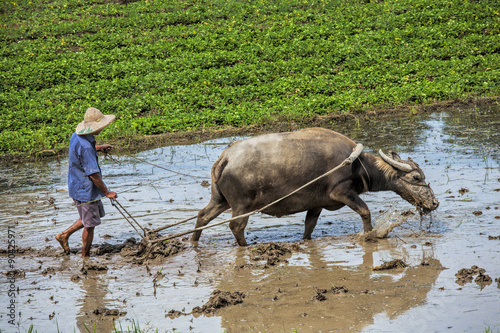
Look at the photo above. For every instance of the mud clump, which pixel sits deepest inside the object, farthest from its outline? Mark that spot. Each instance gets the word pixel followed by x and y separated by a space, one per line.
pixel 92 266
pixel 219 299
pixel 15 273
pixel 396 263
pixel 339 290
pixel 272 253
pixel 106 248
pixel 493 237
pixel 48 270
pixel 483 280
pixel 321 293
pixel 466 275
pixel 138 252
pixel 154 251
pixel 462 191
pixel 174 314
pixel 103 311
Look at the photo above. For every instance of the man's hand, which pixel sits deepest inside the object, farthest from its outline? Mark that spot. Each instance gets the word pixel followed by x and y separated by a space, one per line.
pixel 104 148
pixel 112 195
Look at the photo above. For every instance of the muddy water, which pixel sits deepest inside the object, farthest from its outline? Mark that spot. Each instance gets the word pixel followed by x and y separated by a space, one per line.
pixel 458 150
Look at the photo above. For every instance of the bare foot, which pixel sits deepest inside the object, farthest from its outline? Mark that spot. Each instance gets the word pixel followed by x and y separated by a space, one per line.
pixel 63 241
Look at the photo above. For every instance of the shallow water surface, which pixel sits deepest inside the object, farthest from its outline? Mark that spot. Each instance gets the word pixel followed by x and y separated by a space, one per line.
pixel 458 151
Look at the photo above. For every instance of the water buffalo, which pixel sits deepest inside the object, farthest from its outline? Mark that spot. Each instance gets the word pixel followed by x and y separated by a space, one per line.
pixel 254 172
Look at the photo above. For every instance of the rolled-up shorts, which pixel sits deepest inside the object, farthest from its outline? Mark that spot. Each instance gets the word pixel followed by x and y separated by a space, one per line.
pixel 90 213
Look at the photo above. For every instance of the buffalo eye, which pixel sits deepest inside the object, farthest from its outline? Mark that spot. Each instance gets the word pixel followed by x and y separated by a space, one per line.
pixel 416 177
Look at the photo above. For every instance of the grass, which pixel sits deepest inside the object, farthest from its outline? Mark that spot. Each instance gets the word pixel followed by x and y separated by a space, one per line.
pixel 178 66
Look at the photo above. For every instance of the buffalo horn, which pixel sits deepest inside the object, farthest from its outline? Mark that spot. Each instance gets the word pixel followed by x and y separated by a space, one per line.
pixel 398 165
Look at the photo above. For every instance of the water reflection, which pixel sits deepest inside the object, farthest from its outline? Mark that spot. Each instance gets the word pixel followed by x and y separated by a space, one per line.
pixel 281 299
pixel 94 295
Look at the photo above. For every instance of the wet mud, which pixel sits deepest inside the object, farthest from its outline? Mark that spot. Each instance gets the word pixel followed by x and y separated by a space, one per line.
pixel 218 300
pixel 109 312
pixel 271 253
pixel 439 273
pixel 396 263
pixel 466 275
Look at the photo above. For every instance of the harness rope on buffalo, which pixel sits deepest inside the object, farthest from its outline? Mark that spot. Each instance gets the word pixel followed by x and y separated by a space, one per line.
pixel 148 233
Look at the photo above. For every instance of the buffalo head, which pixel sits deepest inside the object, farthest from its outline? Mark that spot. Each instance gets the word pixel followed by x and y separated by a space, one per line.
pixel 409 182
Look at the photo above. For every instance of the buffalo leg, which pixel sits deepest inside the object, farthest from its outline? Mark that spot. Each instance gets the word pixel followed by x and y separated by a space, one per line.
pixel 353 201
pixel 238 227
pixel 311 220
pixel 207 214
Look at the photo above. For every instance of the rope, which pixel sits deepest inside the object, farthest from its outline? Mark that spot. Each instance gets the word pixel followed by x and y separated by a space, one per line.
pixel 174 224
pixel 354 155
pixel 158 166
pixel 119 207
pixel 150 183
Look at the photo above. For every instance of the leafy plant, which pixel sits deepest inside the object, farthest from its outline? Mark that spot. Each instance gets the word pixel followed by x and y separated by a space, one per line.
pixel 164 66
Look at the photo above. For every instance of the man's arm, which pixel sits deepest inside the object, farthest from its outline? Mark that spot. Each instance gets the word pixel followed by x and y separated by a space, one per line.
pixel 103 148
pixel 97 180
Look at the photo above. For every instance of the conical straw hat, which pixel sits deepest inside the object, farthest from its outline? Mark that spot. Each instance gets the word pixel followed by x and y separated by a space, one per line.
pixel 93 122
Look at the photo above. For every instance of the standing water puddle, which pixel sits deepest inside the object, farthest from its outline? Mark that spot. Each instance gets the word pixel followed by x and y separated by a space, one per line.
pixel 458 151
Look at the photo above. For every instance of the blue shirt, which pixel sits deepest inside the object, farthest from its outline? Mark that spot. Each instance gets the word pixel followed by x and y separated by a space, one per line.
pixel 83 162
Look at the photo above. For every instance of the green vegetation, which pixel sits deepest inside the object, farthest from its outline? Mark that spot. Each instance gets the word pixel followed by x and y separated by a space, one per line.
pixel 176 66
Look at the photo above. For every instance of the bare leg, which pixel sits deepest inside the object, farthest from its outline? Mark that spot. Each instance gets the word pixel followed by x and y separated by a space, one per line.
pixel 87 238
pixel 63 237
pixel 311 220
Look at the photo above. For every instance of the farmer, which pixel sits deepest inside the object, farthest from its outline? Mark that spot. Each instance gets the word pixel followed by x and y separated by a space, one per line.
pixel 84 179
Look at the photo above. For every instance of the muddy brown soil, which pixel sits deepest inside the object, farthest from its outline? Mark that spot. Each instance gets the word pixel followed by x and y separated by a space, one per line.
pixel 272 253
pixel 218 300
pixel 130 249
pixel 142 252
